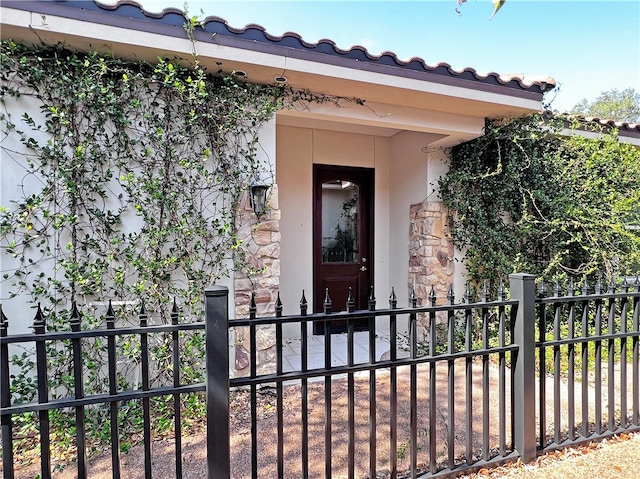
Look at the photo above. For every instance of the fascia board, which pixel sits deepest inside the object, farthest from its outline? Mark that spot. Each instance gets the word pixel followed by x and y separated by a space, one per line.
pixel 390 116
pixel 106 36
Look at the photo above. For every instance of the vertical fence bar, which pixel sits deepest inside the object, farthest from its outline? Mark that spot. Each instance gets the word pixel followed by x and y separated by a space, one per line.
pixel 177 412
pixel 557 404
pixel 253 399
pixel 217 387
pixel 585 361
pixel 432 383
pixel 468 377
pixel 523 389
pixel 451 378
pixel 636 356
pixel 78 387
pixel 542 365
pixel 611 370
pixel 43 395
pixel 327 306
pixel 571 373
pixel 598 359
pixel 413 385
pixel 393 394
pixel 5 400
pixel 372 389
pixel 624 312
pixel 502 366
pixel 146 403
pixel 485 375
pixel 279 393
pixel 351 416
pixel 113 391
pixel 304 389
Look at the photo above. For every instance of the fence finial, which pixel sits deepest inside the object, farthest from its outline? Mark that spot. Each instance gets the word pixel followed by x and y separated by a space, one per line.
pixel 110 316
pixel 501 291
pixel 278 306
pixel 75 317
pixel 372 300
pixel 585 287
pixel 451 297
pixel 351 303
pixel 4 322
pixel 303 305
pixel 599 285
pixel 38 321
pixel 252 306
pixel 467 293
pixel 393 299
pixel 432 296
pixel 327 303
pixel 484 296
pixel 413 299
pixel 142 315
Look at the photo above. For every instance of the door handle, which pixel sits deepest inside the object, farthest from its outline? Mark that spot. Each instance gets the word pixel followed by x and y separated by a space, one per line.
pixel 363 268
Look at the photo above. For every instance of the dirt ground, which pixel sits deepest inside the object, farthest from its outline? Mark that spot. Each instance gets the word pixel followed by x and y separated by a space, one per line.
pixel 617 458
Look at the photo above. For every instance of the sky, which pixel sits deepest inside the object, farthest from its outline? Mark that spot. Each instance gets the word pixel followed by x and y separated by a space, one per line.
pixel 587 46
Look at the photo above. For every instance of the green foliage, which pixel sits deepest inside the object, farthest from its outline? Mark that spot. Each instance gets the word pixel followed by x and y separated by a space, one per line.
pixel 524 198
pixel 142 167
pixel 612 105
pixel 132 174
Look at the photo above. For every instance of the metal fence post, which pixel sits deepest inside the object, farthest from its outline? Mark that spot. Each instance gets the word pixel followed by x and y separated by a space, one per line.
pixel 524 389
pixel 217 387
pixel 5 400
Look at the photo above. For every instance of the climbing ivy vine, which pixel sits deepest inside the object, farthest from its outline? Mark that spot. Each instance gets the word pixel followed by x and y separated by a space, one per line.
pixel 131 174
pixel 138 167
pixel 528 197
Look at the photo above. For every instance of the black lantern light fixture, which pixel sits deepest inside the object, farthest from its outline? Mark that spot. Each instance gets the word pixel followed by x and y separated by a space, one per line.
pixel 258 197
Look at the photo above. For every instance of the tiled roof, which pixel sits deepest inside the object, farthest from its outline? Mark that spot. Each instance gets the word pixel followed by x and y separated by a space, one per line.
pixel 623 127
pixel 590 123
pixel 218 30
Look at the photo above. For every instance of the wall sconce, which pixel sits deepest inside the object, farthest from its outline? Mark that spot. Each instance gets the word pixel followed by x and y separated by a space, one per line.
pixel 258 197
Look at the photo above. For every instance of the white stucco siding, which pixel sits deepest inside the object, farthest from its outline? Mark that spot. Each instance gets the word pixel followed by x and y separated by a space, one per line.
pixel 408 185
pixel 298 150
pixel 16 184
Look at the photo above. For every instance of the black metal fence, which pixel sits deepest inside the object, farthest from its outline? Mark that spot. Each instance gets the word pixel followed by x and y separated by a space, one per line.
pixel 455 387
pixel 589 378
pixel 72 397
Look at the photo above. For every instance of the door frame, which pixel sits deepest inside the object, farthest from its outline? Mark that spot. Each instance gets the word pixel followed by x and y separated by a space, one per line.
pixel 365 178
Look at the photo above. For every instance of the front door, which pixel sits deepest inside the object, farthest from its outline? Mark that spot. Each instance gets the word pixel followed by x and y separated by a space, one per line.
pixel 342 239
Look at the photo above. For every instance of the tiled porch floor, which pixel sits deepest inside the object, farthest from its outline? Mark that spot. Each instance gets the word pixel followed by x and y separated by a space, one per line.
pixel 292 358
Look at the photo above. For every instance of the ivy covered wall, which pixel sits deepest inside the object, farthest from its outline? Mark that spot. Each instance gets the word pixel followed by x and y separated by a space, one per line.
pixel 125 177
pixel 534 194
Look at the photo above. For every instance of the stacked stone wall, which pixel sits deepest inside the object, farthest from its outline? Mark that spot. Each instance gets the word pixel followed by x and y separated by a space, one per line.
pixel 430 254
pixel 261 246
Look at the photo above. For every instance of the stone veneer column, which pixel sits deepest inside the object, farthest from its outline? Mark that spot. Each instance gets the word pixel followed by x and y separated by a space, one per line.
pixel 430 256
pixel 430 251
pixel 261 244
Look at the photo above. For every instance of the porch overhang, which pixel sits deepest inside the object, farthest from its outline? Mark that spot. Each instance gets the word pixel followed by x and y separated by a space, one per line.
pixel 396 98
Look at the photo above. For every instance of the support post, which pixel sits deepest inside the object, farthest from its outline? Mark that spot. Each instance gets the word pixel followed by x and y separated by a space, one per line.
pixel 524 388
pixel 217 387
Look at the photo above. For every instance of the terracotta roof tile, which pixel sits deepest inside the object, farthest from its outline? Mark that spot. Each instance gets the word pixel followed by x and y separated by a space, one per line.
pixel 129 9
pixel 591 123
pixel 621 126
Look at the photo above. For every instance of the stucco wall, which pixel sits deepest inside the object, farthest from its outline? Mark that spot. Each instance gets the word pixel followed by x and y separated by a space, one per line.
pixel 401 166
